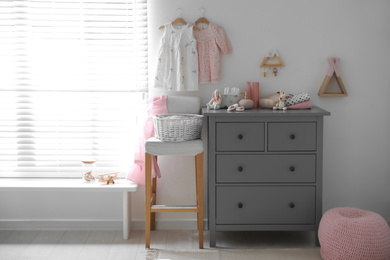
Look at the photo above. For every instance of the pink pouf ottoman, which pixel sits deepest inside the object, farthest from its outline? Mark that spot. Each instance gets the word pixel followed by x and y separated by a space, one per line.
pixel 354 234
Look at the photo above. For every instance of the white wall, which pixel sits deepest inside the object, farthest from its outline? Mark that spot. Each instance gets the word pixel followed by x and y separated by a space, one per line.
pixel 306 33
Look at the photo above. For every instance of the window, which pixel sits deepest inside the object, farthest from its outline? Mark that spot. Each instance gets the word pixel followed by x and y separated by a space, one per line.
pixel 73 78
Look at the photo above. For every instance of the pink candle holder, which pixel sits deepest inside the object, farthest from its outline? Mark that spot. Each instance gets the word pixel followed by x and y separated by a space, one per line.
pixel 256 93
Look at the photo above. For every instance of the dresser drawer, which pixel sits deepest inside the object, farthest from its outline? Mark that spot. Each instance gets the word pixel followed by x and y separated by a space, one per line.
pixel 240 137
pixel 265 205
pixel 292 136
pixel 265 168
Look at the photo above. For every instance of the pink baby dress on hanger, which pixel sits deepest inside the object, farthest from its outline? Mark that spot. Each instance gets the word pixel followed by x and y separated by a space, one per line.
pixel 210 41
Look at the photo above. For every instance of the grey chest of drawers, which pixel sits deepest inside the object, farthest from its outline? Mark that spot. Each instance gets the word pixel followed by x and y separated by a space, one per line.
pixel 264 169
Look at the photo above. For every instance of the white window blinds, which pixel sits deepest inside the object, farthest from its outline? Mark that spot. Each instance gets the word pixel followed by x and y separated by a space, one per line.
pixel 73 76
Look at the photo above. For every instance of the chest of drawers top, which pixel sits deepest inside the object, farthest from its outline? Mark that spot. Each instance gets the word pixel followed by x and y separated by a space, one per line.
pixel 313 112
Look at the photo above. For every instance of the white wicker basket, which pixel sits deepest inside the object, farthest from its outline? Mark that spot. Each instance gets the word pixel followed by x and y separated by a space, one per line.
pixel 177 127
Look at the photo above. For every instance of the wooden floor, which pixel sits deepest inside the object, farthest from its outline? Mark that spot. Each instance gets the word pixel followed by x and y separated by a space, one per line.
pixel 71 244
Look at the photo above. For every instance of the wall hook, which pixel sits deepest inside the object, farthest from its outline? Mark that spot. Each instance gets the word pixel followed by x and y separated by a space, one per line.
pixel 180 11
pixel 202 10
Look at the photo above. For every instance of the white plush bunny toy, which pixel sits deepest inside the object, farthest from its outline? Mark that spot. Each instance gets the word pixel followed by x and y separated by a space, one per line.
pixel 282 97
pixel 216 100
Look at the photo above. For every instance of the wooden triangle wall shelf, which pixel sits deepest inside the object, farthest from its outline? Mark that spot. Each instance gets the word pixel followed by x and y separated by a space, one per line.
pixel 271 56
pixel 265 65
pixel 333 62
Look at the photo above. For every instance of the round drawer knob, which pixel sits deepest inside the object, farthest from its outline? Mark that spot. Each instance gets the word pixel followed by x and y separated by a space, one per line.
pixel 240 169
pixel 292 168
pixel 239 205
pixel 291 205
pixel 240 137
pixel 292 137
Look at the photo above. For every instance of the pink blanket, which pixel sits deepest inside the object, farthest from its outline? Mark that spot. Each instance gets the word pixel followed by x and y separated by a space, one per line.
pixel 303 105
pixel 157 105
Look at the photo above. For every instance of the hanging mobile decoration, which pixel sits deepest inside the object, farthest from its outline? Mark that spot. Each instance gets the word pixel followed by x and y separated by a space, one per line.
pixel 272 56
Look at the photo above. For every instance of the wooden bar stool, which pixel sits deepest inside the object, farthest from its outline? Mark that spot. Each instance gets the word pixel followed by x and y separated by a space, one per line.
pixel 155 147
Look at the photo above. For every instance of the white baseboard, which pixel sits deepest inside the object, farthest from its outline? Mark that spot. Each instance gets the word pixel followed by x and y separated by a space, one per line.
pixel 74 224
pixel 91 224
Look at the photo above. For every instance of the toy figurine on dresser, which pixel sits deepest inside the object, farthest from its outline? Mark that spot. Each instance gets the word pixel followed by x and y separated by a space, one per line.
pixel 282 98
pixel 215 101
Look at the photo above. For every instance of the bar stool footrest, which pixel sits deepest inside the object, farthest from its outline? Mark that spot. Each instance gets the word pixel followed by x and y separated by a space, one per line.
pixel 179 208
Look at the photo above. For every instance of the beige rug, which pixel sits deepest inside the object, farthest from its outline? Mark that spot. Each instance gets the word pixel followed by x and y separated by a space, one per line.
pixel 235 254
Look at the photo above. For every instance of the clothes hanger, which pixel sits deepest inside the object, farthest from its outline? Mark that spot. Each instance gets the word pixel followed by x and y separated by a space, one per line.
pixel 179 20
pixel 202 19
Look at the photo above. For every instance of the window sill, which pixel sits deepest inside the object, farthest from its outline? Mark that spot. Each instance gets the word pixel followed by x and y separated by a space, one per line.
pixel 57 184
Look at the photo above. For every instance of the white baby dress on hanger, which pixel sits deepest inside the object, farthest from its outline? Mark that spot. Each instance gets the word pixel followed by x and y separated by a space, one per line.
pixel 177 64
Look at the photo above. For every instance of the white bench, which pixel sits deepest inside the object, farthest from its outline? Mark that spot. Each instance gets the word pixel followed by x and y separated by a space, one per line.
pixel 37 184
